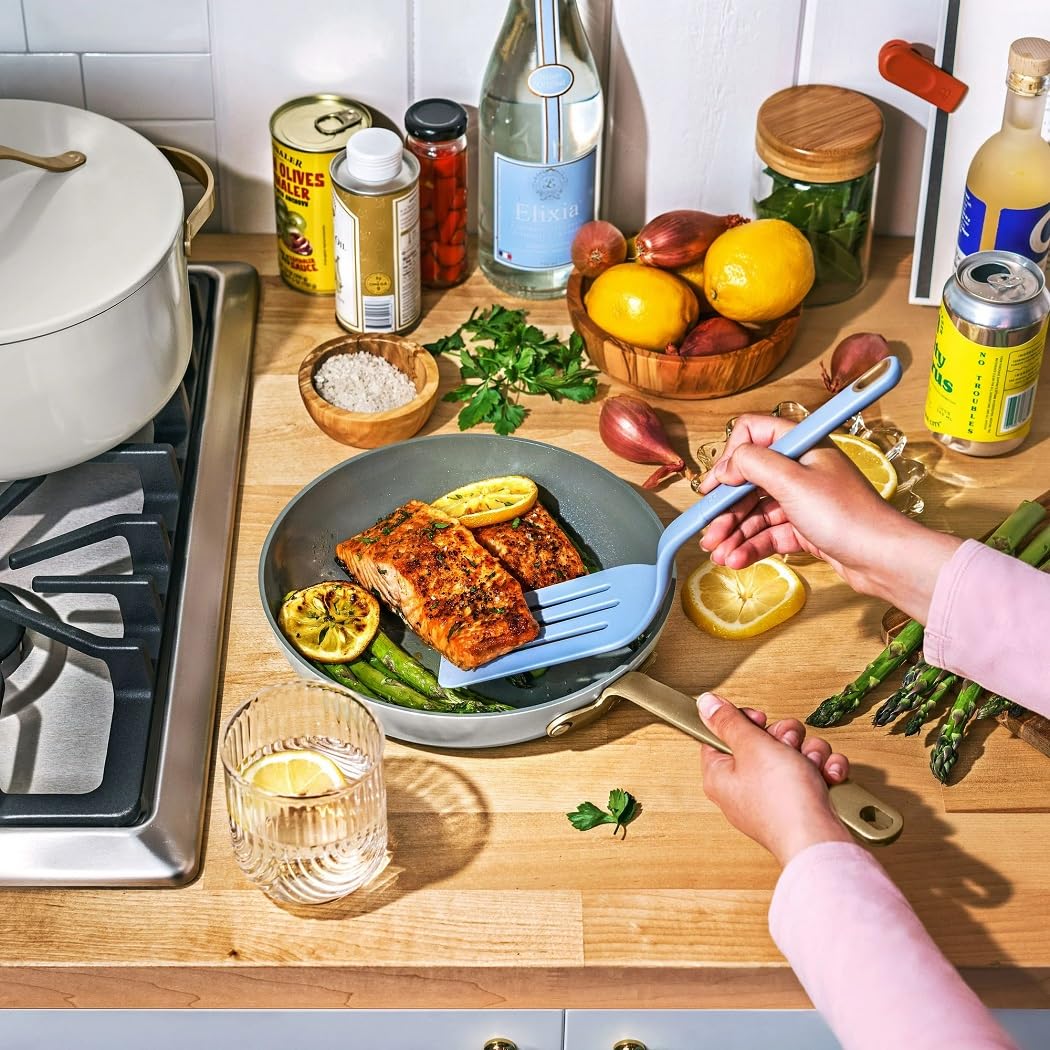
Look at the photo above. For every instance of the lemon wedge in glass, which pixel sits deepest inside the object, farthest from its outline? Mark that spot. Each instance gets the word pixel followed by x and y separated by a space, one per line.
pixel 870 460
pixel 742 603
pixel 296 773
pixel 490 501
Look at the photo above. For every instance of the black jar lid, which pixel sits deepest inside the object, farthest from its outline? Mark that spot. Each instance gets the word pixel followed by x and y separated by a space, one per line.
pixel 435 120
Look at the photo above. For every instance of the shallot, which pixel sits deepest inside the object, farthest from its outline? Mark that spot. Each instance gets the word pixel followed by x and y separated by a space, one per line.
pixel 678 238
pixel 716 335
pixel 631 429
pixel 597 246
pixel 852 358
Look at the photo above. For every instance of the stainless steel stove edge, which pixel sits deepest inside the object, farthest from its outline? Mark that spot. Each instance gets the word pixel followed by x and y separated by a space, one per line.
pixel 165 849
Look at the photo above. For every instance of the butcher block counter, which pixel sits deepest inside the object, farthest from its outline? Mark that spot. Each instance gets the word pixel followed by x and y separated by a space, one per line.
pixel 491 898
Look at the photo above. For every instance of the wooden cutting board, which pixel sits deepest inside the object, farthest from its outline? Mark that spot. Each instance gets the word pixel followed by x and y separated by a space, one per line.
pixel 1033 729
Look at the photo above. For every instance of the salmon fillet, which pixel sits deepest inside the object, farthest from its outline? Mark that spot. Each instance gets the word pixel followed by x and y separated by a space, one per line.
pixel 430 570
pixel 534 548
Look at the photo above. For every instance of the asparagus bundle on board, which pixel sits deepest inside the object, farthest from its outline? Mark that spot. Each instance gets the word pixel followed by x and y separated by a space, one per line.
pixel 924 688
pixel 1007 538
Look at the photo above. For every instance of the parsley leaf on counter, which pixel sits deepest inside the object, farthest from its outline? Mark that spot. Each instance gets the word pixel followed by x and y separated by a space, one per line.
pixel 508 357
pixel 623 808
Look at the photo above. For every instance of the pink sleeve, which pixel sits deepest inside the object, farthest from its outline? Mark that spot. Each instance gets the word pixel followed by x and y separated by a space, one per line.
pixel 988 620
pixel 866 961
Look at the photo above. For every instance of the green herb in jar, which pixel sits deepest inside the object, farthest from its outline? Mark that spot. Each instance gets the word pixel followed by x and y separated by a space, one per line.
pixel 835 216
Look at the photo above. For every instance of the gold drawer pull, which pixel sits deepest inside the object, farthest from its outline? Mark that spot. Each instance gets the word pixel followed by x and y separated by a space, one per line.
pixel 629 1044
pixel 500 1043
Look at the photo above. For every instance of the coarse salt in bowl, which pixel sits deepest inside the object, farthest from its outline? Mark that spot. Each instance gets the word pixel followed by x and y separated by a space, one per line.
pixel 369 390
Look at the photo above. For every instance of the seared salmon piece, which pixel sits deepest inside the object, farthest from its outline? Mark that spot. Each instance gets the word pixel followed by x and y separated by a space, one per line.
pixel 534 548
pixel 431 570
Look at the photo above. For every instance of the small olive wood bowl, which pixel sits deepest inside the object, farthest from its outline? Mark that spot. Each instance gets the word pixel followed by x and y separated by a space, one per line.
pixel 667 375
pixel 372 429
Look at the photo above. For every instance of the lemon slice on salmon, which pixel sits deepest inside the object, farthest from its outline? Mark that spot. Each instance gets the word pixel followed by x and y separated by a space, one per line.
pixel 331 622
pixel 296 773
pixel 742 603
pixel 490 501
pixel 870 460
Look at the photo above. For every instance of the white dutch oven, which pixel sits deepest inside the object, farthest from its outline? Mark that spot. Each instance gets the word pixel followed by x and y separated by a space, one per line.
pixel 94 301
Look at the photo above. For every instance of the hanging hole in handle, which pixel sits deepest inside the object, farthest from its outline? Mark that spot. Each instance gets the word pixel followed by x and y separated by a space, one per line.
pixel 873 373
pixel 877 818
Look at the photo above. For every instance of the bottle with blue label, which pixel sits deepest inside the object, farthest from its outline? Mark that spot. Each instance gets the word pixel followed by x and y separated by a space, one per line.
pixel 1006 205
pixel 540 127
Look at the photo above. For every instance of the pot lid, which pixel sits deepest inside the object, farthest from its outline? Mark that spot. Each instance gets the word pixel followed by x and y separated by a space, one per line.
pixel 77 242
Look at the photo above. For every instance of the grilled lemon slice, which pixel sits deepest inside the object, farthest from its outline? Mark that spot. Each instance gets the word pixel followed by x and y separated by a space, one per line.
pixel 741 603
pixel 490 501
pixel 296 773
pixel 331 622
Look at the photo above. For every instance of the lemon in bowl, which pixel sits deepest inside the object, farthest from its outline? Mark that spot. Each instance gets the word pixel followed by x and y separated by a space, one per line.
pixel 642 305
pixel 759 271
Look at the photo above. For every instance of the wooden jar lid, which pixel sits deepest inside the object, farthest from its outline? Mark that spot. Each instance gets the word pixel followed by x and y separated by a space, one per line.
pixel 819 133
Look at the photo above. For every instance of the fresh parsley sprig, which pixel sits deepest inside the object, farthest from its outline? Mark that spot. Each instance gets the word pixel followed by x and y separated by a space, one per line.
pixel 508 357
pixel 623 808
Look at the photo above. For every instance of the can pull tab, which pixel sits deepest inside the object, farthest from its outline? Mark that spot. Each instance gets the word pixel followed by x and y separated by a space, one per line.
pixel 338 121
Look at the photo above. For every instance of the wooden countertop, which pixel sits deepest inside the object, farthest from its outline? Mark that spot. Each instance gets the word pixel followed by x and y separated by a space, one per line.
pixel 491 898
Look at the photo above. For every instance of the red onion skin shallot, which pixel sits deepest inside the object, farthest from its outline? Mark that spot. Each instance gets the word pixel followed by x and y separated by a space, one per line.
pixel 631 429
pixel 682 237
pixel 852 358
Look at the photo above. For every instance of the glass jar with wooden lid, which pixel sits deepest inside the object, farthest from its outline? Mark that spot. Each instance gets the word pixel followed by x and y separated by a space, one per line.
pixel 817 167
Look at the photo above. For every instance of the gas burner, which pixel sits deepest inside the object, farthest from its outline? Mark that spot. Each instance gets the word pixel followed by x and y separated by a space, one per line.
pixel 13 645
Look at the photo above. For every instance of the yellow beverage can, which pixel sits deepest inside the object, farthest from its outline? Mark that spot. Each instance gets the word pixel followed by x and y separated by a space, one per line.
pixel 987 354
pixel 306 134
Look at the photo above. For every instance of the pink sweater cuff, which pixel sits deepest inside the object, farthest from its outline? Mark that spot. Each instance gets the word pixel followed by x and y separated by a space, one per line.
pixel 866 961
pixel 987 622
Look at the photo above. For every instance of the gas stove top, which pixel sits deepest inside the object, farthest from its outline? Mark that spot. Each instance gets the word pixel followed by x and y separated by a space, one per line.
pixel 113 581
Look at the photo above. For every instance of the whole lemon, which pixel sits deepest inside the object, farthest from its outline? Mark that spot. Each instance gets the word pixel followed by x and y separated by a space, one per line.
pixel 642 305
pixel 759 271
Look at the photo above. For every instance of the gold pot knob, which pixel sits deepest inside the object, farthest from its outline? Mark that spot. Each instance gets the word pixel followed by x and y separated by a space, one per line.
pixel 629 1044
pixel 500 1043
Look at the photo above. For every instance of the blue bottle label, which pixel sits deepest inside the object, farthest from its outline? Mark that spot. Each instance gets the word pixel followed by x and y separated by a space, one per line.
pixel 1025 231
pixel 971 224
pixel 538 208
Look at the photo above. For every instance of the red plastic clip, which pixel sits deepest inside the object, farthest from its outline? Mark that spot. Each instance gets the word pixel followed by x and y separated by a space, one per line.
pixel 901 64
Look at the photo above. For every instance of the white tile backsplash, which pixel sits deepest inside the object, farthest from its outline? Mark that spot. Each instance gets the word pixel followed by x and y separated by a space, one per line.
pixel 260 60
pixel 136 87
pixel 12 28
pixel 47 78
pixel 683 80
pixel 117 25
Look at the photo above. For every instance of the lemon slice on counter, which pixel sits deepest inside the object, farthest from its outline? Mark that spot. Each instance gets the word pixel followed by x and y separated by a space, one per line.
pixel 490 501
pixel 870 460
pixel 742 603
pixel 296 773
pixel 331 622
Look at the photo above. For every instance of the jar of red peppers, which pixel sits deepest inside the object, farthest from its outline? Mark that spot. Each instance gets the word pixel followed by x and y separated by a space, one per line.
pixel 437 135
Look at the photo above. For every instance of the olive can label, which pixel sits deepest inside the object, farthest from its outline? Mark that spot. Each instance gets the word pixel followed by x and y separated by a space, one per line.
pixel 979 392
pixel 303 199
pixel 377 260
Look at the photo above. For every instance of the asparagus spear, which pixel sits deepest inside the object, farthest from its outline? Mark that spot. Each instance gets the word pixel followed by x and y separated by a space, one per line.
pixel 386 687
pixel 946 751
pixel 929 705
pixel 341 675
pixel 399 663
pixel 1007 538
pixel 992 706
pixel 1038 551
pixel 918 682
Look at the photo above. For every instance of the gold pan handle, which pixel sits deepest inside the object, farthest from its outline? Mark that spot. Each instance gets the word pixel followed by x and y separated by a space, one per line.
pixel 868 817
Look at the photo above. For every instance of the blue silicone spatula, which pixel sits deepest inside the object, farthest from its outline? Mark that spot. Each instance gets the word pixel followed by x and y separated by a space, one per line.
pixel 609 609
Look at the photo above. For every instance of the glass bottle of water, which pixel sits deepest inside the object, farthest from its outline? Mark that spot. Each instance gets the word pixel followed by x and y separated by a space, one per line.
pixel 540 129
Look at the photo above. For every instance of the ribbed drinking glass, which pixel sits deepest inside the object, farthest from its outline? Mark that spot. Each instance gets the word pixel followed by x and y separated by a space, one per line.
pixel 316 848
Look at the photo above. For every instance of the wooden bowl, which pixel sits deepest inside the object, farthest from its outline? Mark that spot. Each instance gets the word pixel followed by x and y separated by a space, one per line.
pixel 666 375
pixel 372 429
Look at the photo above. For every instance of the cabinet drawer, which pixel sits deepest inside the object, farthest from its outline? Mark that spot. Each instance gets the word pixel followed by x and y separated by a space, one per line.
pixel 279 1029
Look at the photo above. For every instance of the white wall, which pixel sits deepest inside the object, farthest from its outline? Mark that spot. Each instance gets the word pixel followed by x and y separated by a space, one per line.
pixel 683 78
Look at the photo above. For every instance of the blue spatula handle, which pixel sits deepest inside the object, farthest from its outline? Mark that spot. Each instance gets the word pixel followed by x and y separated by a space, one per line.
pixel 878 380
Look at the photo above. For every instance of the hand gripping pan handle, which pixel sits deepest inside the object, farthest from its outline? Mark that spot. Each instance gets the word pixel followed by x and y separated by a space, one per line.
pixel 869 818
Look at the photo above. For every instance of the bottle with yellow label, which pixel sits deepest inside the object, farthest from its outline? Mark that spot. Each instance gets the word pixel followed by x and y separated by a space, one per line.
pixel 988 351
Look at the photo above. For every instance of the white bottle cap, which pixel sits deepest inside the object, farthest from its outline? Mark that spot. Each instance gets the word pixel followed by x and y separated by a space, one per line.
pixel 374 155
